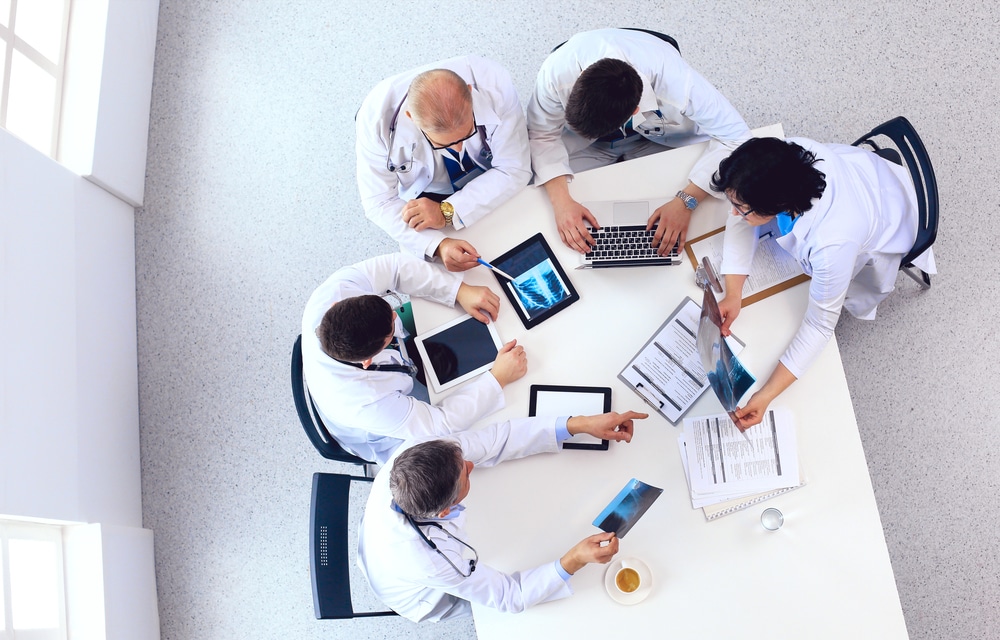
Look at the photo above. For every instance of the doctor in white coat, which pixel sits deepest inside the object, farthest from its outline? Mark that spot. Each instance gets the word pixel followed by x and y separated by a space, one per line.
pixel 615 94
pixel 846 214
pixel 441 146
pixel 413 548
pixel 363 396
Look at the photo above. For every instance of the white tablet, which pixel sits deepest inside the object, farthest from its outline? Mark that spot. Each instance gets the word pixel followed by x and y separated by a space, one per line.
pixel 554 400
pixel 458 351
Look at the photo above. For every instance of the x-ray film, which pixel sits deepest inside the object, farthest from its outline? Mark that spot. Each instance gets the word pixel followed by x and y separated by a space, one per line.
pixel 726 374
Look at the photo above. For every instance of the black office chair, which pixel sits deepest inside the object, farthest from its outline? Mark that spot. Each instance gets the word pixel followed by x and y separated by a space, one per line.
pixel 329 548
pixel 661 36
pixel 907 146
pixel 319 435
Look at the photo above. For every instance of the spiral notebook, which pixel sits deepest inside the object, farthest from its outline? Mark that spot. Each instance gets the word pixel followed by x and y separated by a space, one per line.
pixel 714 511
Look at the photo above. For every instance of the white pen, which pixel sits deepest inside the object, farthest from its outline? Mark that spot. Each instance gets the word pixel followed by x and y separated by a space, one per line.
pixel 494 269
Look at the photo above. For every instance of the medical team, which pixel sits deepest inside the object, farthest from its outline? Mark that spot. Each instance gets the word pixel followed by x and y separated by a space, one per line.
pixel 443 145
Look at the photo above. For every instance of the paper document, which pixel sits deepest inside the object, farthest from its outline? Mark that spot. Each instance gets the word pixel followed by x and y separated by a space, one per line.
pixel 721 463
pixel 771 271
pixel 667 372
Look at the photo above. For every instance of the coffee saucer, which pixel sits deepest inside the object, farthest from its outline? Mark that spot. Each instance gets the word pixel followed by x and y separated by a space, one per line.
pixel 645 581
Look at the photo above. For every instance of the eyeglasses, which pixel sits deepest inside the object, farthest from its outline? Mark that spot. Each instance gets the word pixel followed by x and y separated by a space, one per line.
pixel 439 147
pixel 737 209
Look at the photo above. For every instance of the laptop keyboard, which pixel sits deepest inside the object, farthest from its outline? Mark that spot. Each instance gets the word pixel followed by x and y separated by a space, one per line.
pixel 626 247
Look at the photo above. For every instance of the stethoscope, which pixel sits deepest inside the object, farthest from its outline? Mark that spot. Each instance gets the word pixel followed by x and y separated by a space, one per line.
pixel 416 527
pixel 408 368
pixel 485 154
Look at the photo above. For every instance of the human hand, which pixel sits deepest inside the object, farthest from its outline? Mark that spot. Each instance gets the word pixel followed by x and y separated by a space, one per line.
pixel 571 219
pixel 423 213
pixel 671 222
pixel 510 365
pixel 729 309
pixel 457 255
pixel 590 550
pixel 753 412
pixel 479 302
pixel 606 426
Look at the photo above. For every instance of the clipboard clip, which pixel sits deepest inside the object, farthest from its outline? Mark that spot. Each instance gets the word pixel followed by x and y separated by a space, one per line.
pixel 706 276
pixel 656 404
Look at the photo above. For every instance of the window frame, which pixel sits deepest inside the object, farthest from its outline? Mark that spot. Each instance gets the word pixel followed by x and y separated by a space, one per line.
pixel 11 42
pixel 24 530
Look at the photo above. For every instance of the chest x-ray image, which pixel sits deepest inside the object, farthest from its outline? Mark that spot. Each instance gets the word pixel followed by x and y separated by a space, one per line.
pixel 726 374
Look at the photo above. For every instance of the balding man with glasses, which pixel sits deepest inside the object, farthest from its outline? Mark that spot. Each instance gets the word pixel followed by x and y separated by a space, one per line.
pixel 438 148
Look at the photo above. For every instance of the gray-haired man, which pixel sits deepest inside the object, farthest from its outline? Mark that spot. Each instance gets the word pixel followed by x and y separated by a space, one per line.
pixel 413 548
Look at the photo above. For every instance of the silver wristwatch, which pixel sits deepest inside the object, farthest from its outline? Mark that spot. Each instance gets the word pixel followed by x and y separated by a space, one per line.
pixel 689 200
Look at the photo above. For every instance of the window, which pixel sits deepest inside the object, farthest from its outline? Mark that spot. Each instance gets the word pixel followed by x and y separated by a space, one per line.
pixel 33 39
pixel 32 589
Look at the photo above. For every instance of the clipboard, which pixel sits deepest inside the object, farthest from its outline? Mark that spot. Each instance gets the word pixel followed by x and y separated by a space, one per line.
pixel 757 295
pixel 667 372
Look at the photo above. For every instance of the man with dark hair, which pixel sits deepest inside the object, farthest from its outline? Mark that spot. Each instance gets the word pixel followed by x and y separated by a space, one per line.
pixel 440 146
pixel 847 215
pixel 360 378
pixel 616 94
pixel 412 545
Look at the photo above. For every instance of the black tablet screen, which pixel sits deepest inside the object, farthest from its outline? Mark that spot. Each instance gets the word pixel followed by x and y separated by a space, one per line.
pixel 460 349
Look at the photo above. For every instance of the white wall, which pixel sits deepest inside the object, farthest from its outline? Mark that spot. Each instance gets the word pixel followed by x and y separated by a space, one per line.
pixel 69 435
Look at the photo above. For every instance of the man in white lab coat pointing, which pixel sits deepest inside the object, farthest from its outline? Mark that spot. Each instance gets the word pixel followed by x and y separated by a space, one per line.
pixel 413 548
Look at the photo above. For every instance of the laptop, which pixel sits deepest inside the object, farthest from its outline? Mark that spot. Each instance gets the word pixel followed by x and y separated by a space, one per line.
pixel 622 240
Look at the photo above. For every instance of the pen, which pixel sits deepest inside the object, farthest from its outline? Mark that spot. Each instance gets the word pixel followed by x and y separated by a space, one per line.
pixel 732 416
pixel 494 269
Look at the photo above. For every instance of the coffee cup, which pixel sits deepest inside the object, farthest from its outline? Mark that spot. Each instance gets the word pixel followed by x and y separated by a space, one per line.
pixel 627 580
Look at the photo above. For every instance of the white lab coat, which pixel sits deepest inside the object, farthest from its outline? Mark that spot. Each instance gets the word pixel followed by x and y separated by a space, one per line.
pixel 420 585
pixel 369 412
pixel 384 192
pixel 692 109
pixel 850 242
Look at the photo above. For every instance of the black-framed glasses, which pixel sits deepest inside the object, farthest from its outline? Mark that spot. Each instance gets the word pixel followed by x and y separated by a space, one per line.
pixel 737 209
pixel 472 562
pixel 439 147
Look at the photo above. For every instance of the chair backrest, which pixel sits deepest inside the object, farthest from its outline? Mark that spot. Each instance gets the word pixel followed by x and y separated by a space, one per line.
pixel 329 550
pixel 661 36
pixel 908 147
pixel 318 434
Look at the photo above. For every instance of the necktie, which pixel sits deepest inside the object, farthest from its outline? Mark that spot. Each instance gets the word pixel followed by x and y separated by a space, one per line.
pixel 458 165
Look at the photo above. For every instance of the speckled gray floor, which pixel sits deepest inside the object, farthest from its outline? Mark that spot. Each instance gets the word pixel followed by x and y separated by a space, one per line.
pixel 251 202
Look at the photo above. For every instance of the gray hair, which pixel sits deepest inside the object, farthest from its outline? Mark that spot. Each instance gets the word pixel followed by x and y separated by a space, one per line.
pixel 439 101
pixel 424 479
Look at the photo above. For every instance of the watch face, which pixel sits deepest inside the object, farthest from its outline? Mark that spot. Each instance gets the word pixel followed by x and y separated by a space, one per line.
pixel 447 208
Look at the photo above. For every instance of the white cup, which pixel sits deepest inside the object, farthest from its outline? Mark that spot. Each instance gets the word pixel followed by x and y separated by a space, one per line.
pixel 627 579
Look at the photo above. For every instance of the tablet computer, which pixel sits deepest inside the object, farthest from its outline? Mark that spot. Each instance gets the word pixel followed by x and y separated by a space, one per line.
pixel 552 400
pixel 540 288
pixel 458 351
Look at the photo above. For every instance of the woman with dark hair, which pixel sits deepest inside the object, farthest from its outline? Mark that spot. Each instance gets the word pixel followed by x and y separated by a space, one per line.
pixel 847 215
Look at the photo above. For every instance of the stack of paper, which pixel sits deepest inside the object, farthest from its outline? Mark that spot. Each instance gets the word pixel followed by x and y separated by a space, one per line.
pixel 727 470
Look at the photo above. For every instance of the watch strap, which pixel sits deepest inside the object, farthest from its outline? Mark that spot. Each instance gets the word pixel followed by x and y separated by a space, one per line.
pixel 689 200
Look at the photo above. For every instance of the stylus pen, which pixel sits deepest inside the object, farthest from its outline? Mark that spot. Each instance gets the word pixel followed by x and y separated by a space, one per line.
pixel 732 416
pixel 494 269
